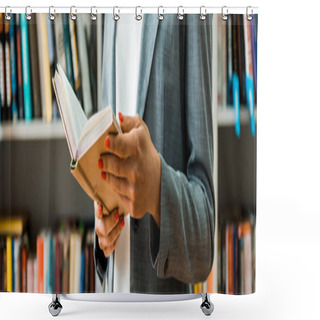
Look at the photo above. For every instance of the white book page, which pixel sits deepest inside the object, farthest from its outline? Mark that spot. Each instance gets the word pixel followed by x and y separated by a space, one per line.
pixel 73 117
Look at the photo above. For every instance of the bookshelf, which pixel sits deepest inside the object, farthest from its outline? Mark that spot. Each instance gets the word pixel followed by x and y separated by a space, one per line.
pixel 34 130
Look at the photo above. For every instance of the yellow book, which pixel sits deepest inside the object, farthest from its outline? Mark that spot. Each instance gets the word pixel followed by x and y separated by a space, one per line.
pixel 46 94
pixel 11 226
pixel 9 264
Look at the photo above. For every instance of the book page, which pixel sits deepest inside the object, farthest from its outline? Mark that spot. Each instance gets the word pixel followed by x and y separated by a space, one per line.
pixel 95 127
pixel 73 117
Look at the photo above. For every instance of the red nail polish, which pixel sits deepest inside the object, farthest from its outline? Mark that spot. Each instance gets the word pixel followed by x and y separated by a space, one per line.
pixel 100 163
pixel 120 117
pixel 100 210
pixel 121 222
pixel 103 175
pixel 116 216
pixel 107 143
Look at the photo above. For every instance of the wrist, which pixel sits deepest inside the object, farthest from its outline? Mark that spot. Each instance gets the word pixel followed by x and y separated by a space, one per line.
pixel 155 204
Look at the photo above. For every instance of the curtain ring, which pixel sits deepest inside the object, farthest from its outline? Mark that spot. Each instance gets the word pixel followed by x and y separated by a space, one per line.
pixel 138 16
pixel 6 14
pixel 249 15
pixel 28 13
pixel 52 10
pixel 224 13
pixel 180 13
pixel 116 16
pixel 160 15
pixel 203 13
pixel 93 16
pixel 73 12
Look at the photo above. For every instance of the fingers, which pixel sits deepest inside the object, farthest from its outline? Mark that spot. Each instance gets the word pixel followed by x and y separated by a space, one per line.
pixel 107 236
pixel 119 185
pixel 128 123
pixel 122 145
pixel 119 167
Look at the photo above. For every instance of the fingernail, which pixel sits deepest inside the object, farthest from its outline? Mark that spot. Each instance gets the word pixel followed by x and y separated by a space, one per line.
pixel 103 175
pixel 100 163
pixel 121 222
pixel 107 143
pixel 116 216
pixel 120 117
pixel 100 210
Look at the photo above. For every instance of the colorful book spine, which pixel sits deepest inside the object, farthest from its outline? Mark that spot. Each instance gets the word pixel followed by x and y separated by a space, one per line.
pixel 44 66
pixel 2 70
pixel 13 68
pixel 8 114
pixel 19 69
pixel 39 274
pixel 9 264
pixel 26 76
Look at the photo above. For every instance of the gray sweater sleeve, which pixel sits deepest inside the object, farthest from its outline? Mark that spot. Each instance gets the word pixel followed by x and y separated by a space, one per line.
pixel 183 247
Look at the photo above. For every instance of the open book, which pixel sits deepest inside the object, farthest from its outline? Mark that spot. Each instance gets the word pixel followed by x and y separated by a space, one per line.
pixel 86 140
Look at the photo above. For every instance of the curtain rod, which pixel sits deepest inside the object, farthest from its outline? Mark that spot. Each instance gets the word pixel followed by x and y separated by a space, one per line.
pixel 131 10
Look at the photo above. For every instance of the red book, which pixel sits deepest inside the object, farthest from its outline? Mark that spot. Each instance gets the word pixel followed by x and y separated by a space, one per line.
pixel 24 269
pixel 40 264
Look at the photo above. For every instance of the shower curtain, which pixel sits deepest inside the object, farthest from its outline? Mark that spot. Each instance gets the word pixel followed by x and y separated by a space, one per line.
pixel 181 166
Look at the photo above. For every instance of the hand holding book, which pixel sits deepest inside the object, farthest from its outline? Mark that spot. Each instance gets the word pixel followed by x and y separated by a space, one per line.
pixel 131 167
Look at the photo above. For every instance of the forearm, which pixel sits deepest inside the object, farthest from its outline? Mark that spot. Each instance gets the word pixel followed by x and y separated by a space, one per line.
pixel 185 249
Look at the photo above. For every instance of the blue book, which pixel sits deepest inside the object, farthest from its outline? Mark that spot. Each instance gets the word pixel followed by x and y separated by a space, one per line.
pixel 12 40
pixel 236 102
pixel 26 76
pixel 82 272
pixel 50 275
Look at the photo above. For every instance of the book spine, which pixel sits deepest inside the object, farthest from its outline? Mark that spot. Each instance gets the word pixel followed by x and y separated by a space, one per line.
pixel 9 264
pixel 24 278
pixel 13 68
pixel 39 273
pixel 26 68
pixel 19 69
pixel 2 70
pixel 34 60
pixel 46 94
pixel 8 70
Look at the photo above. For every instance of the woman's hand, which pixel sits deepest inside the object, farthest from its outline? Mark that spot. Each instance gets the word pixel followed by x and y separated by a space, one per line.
pixel 108 228
pixel 132 168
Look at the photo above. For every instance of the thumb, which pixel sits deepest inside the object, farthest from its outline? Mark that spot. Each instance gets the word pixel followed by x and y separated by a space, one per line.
pixel 127 123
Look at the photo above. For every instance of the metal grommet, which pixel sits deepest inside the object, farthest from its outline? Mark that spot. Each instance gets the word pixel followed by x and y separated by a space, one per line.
pixel 93 16
pixel 249 15
pixel 28 13
pixel 138 16
pixel 7 12
pixel 180 13
pixel 160 15
pixel 203 13
pixel 116 16
pixel 73 12
pixel 224 13
pixel 52 11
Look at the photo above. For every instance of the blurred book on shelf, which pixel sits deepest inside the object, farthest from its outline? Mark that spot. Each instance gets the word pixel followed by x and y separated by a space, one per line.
pixel 29 52
pixel 236 250
pixel 62 261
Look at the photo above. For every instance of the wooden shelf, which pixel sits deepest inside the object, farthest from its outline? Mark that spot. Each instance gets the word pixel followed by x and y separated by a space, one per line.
pixel 226 116
pixel 33 130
